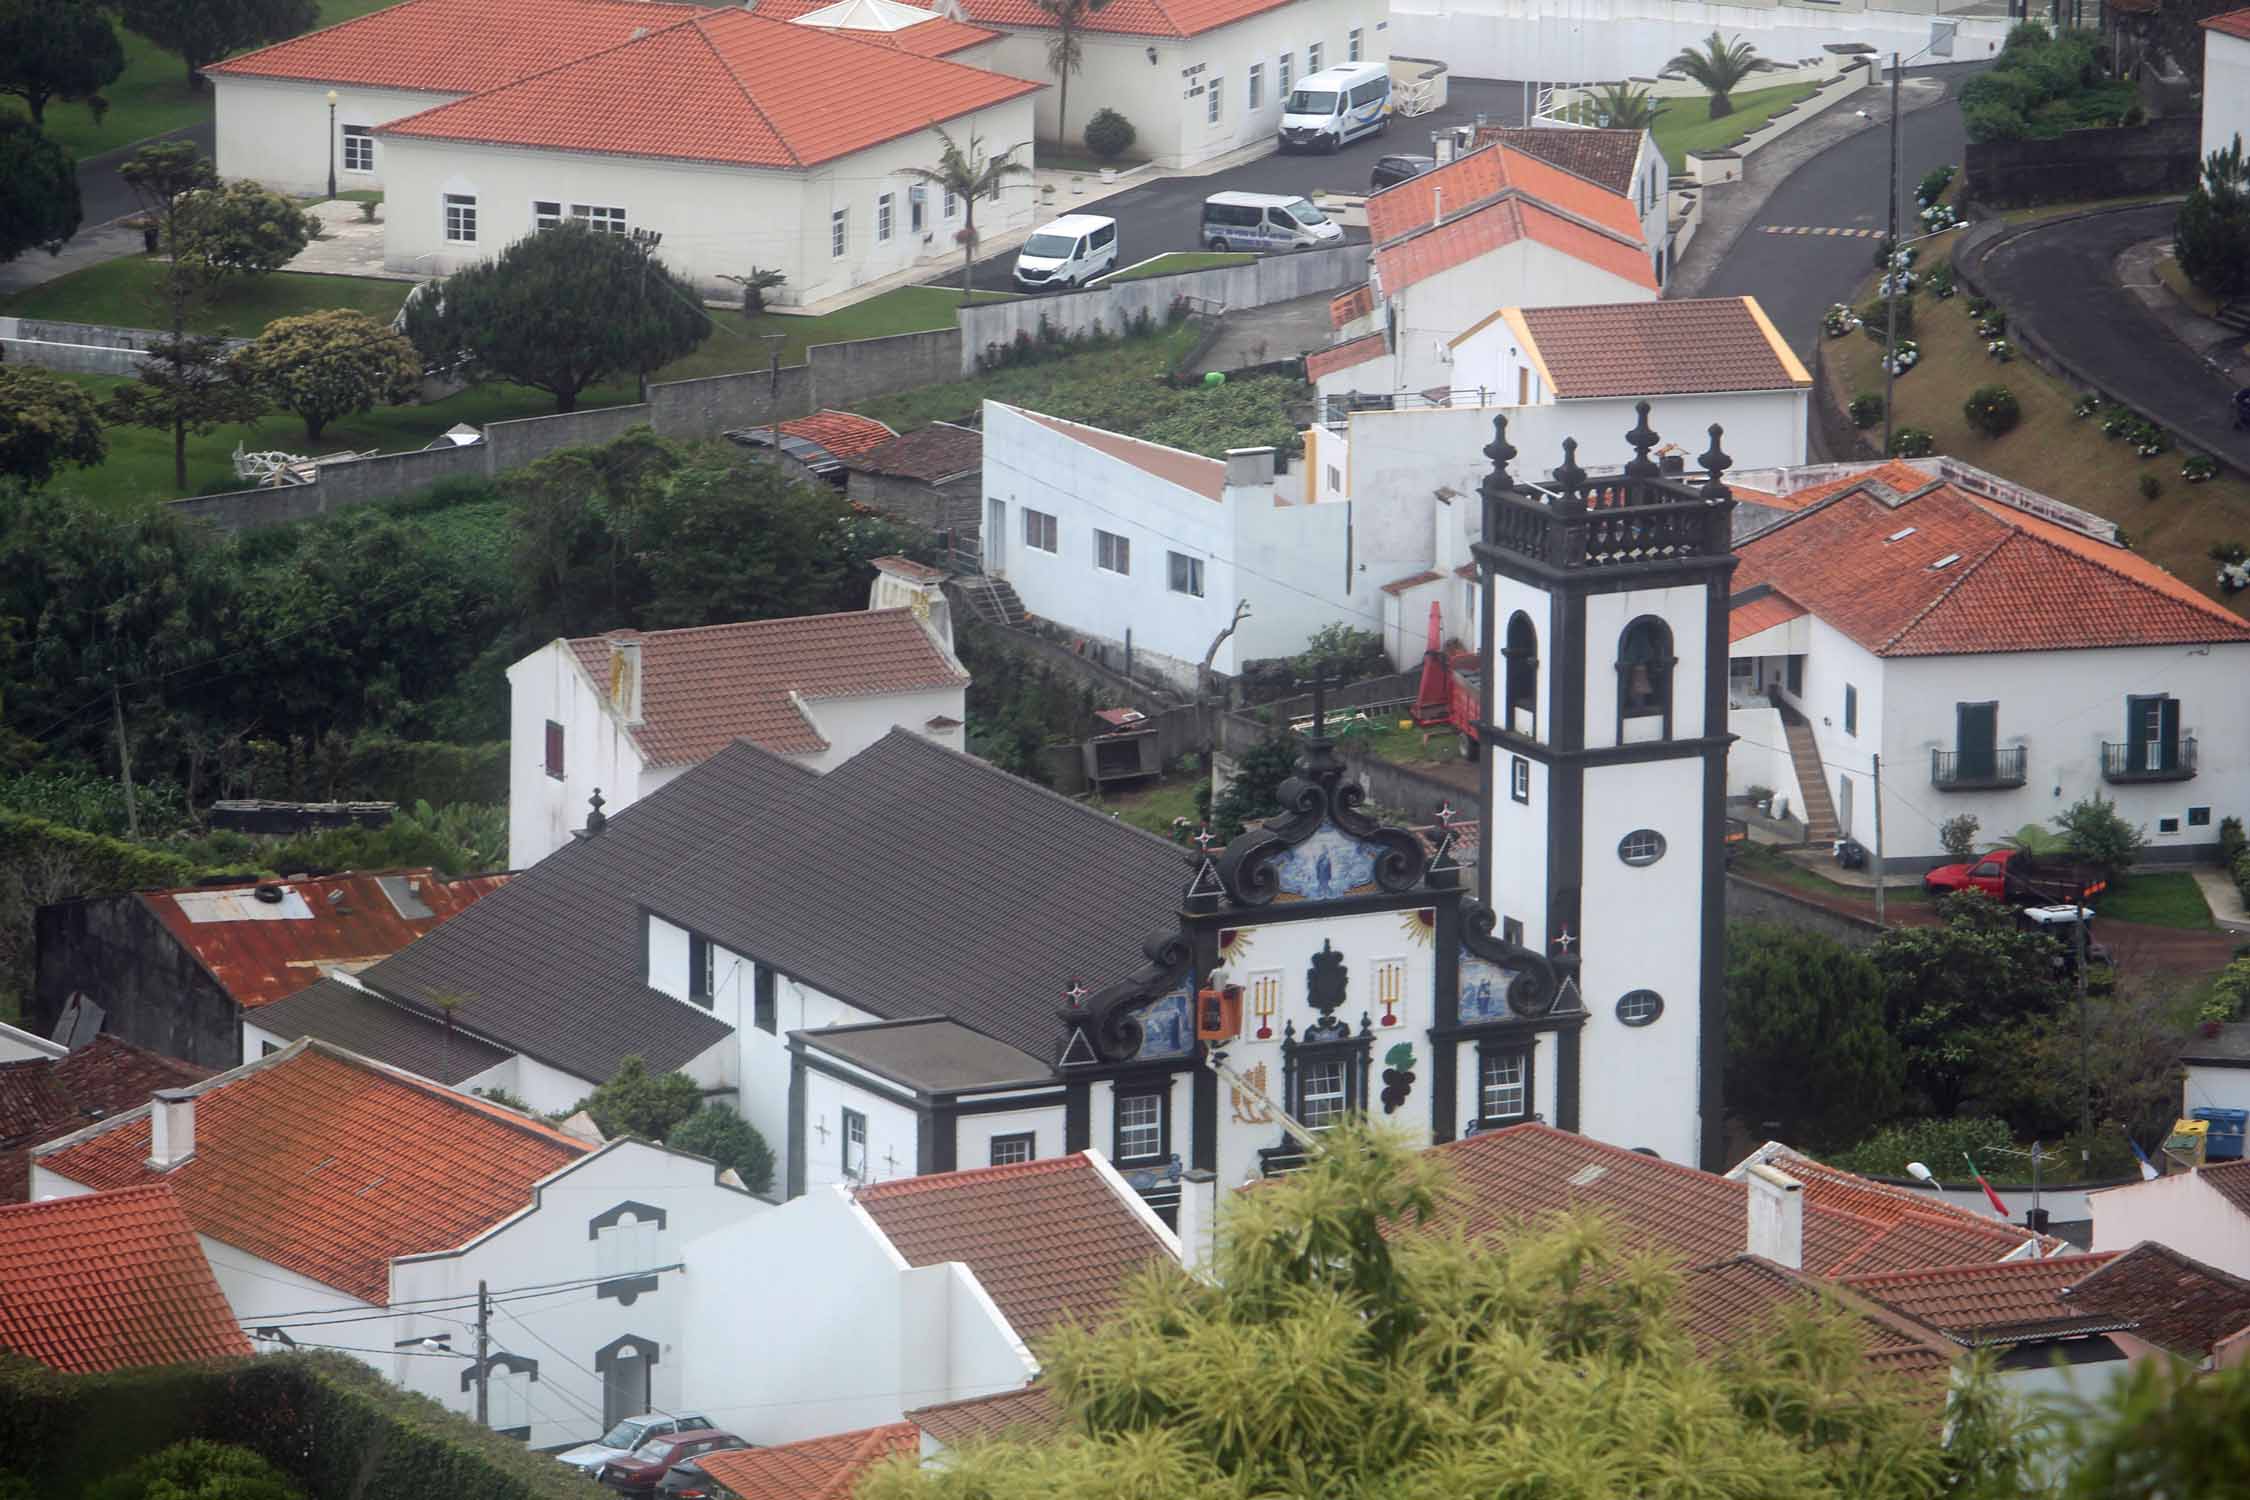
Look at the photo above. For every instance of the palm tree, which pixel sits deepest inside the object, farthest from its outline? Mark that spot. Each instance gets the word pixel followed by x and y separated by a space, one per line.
pixel 1064 54
pixel 1718 66
pixel 969 175
pixel 1620 106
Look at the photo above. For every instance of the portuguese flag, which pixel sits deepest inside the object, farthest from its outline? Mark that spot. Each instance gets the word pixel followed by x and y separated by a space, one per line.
pixel 1990 1196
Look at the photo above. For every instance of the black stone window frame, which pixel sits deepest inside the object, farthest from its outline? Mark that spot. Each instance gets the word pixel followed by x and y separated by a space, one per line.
pixel 1519 779
pixel 1025 1141
pixel 1161 1092
pixel 1353 1052
pixel 512 1364
pixel 1642 847
pixel 1640 1007
pixel 1493 1048
pixel 626 1288
pixel 1645 663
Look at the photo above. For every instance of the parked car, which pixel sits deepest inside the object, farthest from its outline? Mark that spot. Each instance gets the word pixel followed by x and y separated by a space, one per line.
pixel 1326 110
pixel 1067 253
pixel 621 1440
pixel 2018 877
pixel 2062 923
pixel 689 1481
pixel 642 1470
pixel 1265 221
pixel 1390 171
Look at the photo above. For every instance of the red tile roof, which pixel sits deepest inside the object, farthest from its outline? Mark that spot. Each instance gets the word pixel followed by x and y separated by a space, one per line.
pixel 1467 181
pixel 728 86
pixel 2175 1302
pixel 1356 303
pixel 1049 1240
pixel 2014 582
pixel 1987 1303
pixel 262 951
pixel 2233 23
pixel 1411 581
pixel 1344 356
pixel 1761 613
pixel 1031 1410
pixel 940 36
pixel 2231 1181
pixel 43 1098
pixel 822 1468
pixel 452 46
pixel 1605 157
pixel 1190 471
pixel 1130 17
pixel 843 433
pixel 1689 346
pixel 907 568
pixel 706 686
pixel 330 1166
pixel 110 1280
pixel 1458 241
pixel 1722 1302
pixel 938 451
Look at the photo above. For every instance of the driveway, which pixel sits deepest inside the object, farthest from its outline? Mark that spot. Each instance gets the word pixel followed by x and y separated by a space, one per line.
pixel 103 199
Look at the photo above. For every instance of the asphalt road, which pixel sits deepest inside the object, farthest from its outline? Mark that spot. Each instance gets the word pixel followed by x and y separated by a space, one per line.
pixel 103 195
pixel 1166 214
pixel 2059 282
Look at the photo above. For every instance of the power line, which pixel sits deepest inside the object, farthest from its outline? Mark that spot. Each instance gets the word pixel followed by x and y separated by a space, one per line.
pixel 462 1299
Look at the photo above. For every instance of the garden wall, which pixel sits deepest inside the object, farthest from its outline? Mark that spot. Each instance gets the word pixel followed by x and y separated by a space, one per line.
pixel 2159 157
pixel 79 348
pixel 1754 901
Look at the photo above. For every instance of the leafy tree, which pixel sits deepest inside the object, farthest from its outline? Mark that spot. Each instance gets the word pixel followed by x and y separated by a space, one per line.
pixel 164 176
pixel 198 1470
pixel 719 1133
pixel 239 229
pixel 761 280
pixel 203 31
pixel 57 49
pixel 2211 236
pixel 1953 993
pixel 1807 1047
pixel 331 364
pixel 1958 835
pixel 2165 1431
pixel 1620 106
pixel 560 310
pixel 2118 1063
pixel 729 539
pixel 968 174
pixel 39 205
pixel 1344 651
pixel 46 422
pixel 185 385
pixel 2095 832
pixel 1065 53
pixel 1718 65
pixel 577 563
pixel 1337 1350
pixel 1255 791
pixel 638 1103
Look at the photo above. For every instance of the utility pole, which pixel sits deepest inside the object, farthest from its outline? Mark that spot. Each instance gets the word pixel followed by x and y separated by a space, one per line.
pixel 647 240
pixel 124 761
pixel 484 1356
pixel 2085 1039
pixel 1891 270
pixel 1877 761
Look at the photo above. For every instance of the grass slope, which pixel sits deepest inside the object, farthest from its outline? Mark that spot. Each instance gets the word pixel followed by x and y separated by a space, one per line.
pixel 1686 124
pixel 739 343
pixel 1179 260
pixel 124 293
pixel 2170 899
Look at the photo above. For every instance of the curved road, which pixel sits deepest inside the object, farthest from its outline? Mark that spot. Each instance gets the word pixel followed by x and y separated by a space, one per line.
pixel 2059 281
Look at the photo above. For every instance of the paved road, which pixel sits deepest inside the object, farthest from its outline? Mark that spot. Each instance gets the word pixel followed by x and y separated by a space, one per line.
pixel 2059 281
pixel 104 195
pixel 1166 214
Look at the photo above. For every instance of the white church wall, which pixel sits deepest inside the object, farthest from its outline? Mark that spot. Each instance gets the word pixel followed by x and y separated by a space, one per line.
pixel 893 1132
pixel 1683 609
pixel 974 1135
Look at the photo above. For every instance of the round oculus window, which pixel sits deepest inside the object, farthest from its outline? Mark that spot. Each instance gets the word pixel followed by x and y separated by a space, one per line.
pixel 1643 846
pixel 1640 1007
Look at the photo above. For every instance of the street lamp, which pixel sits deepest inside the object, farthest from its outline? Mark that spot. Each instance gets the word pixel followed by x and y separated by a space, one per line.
pixel 1941 42
pixel 331 143
pixel 1922 1174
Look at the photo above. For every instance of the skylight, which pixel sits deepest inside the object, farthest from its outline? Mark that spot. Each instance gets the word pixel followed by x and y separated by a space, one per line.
pixel 1900 536
pixel 1946 561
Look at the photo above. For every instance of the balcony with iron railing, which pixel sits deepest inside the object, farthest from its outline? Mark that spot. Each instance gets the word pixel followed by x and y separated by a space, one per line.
pixel 2149 760
pixel 1977 770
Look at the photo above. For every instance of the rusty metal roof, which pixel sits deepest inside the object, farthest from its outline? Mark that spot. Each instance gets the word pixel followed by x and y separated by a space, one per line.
pixel 265 940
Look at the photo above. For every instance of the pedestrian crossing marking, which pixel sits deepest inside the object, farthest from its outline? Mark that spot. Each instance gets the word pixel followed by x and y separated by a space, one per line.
pixel 1856 234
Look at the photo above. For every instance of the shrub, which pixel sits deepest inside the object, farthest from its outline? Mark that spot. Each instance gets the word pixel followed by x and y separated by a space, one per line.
pixel 719 1133
pixel 1866 410
pixel 2001 350
pixel 1349 652
pixel 1933 184
pixel 1992 410
pixel 198 1470
pixel 2085 406
pixel 2232 841
pixel 1941 280
pixel 2211 236
pixel 2230 992
pixel 2151 486
pixel 1912 442
pixel 1838 320
pixel 1109 134
pixel 1905 356
pixel 2197 467
pixel 1958 835
pixel 1935 1142
pixel 2094 831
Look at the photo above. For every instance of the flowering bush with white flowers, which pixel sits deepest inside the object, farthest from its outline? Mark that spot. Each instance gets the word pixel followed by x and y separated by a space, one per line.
pixel 1908 356
pixel 1839 321
pixel 1993 324
pixel 2001 350
pixel 2197 467
pixel 1898 283
pixel 2084 407
pixel 1938 217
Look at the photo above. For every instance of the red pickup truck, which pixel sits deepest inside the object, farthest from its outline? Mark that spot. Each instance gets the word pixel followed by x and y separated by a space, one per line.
pixel 2015 876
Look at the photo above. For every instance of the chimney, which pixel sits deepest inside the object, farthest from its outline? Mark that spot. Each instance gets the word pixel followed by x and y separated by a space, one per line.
pixel 171 1128
pixel 625 677
pixel 1249 468
pixel 1777 1216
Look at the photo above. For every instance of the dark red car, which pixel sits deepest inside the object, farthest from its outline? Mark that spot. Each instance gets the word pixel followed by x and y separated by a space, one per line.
pixel 645 1468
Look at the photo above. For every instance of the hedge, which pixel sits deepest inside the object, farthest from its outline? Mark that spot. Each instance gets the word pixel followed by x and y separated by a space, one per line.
pixel 332 1424
pixel 104 865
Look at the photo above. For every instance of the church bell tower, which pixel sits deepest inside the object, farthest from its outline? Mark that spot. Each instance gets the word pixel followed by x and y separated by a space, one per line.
pixel 1604 734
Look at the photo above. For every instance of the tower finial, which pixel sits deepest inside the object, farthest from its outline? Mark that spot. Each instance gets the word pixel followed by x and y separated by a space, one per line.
pixel 1502 453
pixel 1643 438
pixel 1715 463
pixel 1568 475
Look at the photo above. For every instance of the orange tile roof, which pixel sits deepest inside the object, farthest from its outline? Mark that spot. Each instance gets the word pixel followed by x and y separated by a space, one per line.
pixel 2173 1301
pixel 1722 1302
pixel 821 1468
pixel 1675 347
pixel 1605 156
pixel 708 685
pixel 110 1280
pixel 349 922
pixel 2015 582
pixel 1030 1410
pixel 1050 1241
pixel 452 46
pixel 2233 23
pixel 1190 471
pixel 2230 1181
pixel 1983 1303
pixel 727 86
pixel 1411 581
pixel 1467 181
pixel 1345 355
pixel 1458 241
pixel 940 36
pixel 330 1165
pixel 45 1098
pixel 1761 613
pixel 843 433
pixel 1356 303
pixel 1129 17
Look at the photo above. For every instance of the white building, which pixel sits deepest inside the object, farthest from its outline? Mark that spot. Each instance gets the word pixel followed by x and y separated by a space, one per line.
pixel 2204 1213
pixel 2002 653
pixel 2226 81
pixel 324 1186
pixel 1195 81
pixel 1626 162
pixel 624 713
pixel 2217 1069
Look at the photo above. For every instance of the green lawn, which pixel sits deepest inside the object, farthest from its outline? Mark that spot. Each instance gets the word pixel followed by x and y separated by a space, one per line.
pixel 1151 807
pixel 1179 260
pixel 123 292
pixel 739 343
pixel 1686 124
pixel 2171 899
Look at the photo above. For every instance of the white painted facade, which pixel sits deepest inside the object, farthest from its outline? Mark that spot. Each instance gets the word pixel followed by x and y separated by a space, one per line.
pixel 276 130
pixel 1167 95
pixel 2214 1086
pixel 2226 91
pixel 716 219
pixel 2179 1210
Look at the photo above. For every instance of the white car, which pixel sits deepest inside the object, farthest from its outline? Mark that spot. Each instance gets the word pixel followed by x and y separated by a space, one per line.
pixel 1067 253
pixel 621 1440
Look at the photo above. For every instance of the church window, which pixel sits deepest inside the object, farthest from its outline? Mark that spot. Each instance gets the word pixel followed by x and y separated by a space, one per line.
pixel 1522 675
pixel 1511 931
pixel 1519 779
pixel 1644 669
pixel 1503 1087
pixel 1007 1150
pixel 855 1146
pixel 763 1011
pixel 1140 1126
pixel 1643 846
pixel 1640 1007
pixel 1325 1094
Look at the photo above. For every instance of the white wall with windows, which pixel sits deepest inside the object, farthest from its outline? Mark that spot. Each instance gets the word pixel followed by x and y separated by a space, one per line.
pixel 1432 312
pixel 1005 1136
pixel 854 1132
pixel 275 131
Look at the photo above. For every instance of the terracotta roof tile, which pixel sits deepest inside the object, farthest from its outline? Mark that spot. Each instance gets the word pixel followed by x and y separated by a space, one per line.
pixel 1031 1411
pixel 1722 1302
pixel 1130 17
pixel 1467 181
pixel 1690 346
pixel 2232 1182
pixel 452 46
pixel 908 568
pixel 938 451
pixel 706 686
pixel 2174 1301
pixel 727 86
pixel 1049 1240
pixel 1355 303
pixel 1411 581
pixel 43 1098
pixel 261 951
pixel 1987 1303
pixel 1607 158
pixel 1761 613
pixel 2233 23
pixel 821 1468
pixel 1460 240
pixel 110 1280
pixel 2009 581
pixel 330 1166
pixel 844 434
pixel 1344 356
pixel 1190 471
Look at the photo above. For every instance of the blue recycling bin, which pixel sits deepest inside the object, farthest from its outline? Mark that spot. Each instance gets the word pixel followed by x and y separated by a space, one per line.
pixel 2227 1127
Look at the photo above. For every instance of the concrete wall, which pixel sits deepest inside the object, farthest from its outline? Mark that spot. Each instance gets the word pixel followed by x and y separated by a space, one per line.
pixel 156 994
pixel 2226 90
pixel 2159 157
pixel 2179 1210
pixel 955 505
pixel 80 348
pixel 356 482
pixel 1753 901
pixel 849 372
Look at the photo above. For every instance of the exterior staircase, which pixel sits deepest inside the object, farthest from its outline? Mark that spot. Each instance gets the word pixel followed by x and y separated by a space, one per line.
pixel 992 600
pixel 1812 780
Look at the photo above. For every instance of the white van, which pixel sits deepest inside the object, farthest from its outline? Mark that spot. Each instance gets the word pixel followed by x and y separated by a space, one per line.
pixel 1069 252
pixel 1265 221
pixel 1327 109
